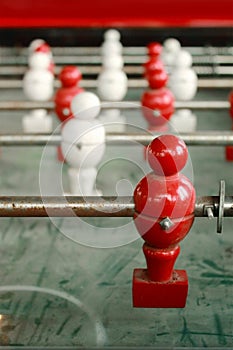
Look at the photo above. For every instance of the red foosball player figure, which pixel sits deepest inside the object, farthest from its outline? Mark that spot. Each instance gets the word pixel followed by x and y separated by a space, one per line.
pixel 229 149
pixel 164 213
pixel 69 76
pixel 154 71
pixel 157 101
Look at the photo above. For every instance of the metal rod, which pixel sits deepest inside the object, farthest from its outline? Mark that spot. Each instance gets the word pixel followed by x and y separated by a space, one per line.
pixel 58 206
pixel 127 50
pixel 128 59
pixel 197 105
pixel 191 139
pixel 212 83
pixel 7 70
pixel 213 202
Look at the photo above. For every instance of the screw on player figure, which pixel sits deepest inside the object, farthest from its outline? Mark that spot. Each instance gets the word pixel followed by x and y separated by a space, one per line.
pixel 164 205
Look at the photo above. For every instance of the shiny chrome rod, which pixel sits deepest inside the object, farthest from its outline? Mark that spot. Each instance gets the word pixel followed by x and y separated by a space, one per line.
pixel 197 105
pixel 91 58
pixel 8 70
pixel 208 83
pixel 127 50
pixel 192 139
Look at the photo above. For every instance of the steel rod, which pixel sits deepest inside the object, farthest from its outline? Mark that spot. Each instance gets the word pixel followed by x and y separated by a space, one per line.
pixel 69 206
pixel 7 70
pixel 197 105
pixel 132 83
pixel 127 50
pixel 128 59
pixel 191 139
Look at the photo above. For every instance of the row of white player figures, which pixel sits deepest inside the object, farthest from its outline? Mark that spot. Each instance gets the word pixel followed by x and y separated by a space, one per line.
pixel 38 85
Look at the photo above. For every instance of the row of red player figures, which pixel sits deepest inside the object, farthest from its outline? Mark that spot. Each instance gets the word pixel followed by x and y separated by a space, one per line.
pixel 158 100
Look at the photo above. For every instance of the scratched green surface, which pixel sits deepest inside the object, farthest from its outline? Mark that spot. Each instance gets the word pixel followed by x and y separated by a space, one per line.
pixel 34 252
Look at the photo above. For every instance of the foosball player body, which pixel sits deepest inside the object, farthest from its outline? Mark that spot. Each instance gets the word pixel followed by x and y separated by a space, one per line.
pixel 164 213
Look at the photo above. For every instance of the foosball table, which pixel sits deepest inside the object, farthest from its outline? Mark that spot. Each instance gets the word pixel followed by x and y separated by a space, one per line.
pixel 89 263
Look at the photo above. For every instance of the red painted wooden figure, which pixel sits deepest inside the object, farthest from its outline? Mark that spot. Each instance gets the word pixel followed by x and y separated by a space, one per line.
pixel 229 149
pixel 157 101
pixel 164 213
pixel 154 51
pixel 69 77
pixel 155 73
pixel 158 106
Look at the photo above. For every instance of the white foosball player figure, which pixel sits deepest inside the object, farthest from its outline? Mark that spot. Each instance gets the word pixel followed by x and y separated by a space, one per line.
pixel 171 48
pixel 40 46
pixel 111 44
pixel 113 120
pixel 83 144
pixel 38 86
pixel 183 120
pixel 34 44
pixel 112 82
pixel 183 79
pixel 38 80
pixel 37 121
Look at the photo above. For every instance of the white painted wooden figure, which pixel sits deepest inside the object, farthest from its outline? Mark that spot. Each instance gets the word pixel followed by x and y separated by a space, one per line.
pixel 183 79
pixel 171 48
pixel 113 120
pixel 183 120
pixel 112 82
pixel 38 80
pixel 37 121
pixel 83 144
pixel 111 44
pixel 34 44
